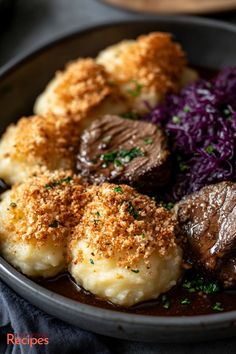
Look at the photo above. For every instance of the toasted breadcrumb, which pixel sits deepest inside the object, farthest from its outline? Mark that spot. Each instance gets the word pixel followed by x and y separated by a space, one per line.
pixel 49 142
pixel 76 91
pixel 44 207
pixel 126 226
pixel 153 64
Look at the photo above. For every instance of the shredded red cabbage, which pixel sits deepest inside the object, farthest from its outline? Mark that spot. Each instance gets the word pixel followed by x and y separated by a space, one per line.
pixel 201 125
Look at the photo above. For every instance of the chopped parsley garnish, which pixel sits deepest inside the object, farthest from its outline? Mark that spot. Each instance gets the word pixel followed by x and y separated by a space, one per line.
pixel 218 307
pixel 183 166
pixel 135 270
pixel 109 156
pixel 66 180
pixel 117 163
pixel 91 261
pixel 136 89
pixel 168 206
pixel 95 221
pixel 210 149
pixel 176 119
pixel 130 115
pixel 165 302
pixel 54 224
pixel 186 109
pixel 13 205
pixel 132 210
pixel 51 185
pixel 227 112
pixel 120 157
pixel 143 236
pixel 148 141
pixel 118 189
pixel 56 183
pixel 185 301
pixel 200 284
pixel 128 155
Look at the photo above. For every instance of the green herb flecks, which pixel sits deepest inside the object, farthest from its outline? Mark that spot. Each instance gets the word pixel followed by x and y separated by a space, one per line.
pixel 54 224
pixel 148 141
pixel 120 157
pixel 165 302
pixel 132 211
pixel 128 155
pixel 13 205
pixel 198 283
pixel 91 261
pixel 176 119
pixel 218 307
pixel 109 156
pixel 135 270
pixel 118 189
pixel 54 183
pixel 210 149
pixel 95 221
pixel 186 109
pixel 135 88
pixel 183 167
pixel 66 180
pixel 117 163
pixel 185 301
pixel 168 205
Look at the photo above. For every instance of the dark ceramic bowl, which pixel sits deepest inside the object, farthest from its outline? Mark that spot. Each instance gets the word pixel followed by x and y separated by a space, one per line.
pixel 208 44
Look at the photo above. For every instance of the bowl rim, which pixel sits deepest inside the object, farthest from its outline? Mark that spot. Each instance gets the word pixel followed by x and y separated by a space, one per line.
pixel 48 296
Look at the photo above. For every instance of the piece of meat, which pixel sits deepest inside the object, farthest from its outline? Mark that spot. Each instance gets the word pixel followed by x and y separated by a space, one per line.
pixel 207 228
pixel 124 151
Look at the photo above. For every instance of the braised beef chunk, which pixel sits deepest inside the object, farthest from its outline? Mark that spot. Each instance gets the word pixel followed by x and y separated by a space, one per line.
pixel 124 151
pixel 207 227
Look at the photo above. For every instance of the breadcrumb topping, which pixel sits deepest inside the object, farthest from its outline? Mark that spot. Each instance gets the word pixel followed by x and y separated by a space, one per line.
pixel 126 226
pixel 50 141
pixel 153 62
pixel 45 207
pixel 82 86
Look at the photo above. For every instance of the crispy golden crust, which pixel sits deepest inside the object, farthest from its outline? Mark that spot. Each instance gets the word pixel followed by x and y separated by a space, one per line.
pixel 124 225
pixel 45 207
pixel 49 142
pixel 81 87
pixel 154 61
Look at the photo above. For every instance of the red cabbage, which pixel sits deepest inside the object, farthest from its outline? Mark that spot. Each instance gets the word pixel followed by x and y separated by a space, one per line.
pixel 201 125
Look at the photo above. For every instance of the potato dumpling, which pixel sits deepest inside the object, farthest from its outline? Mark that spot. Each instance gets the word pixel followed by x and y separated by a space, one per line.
pixel 37 142
pixel 35 220
pixel 147 68
pixel 83 90
pixel 124 249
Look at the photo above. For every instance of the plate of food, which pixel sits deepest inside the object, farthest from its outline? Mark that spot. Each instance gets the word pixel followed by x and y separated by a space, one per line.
pixel 117 178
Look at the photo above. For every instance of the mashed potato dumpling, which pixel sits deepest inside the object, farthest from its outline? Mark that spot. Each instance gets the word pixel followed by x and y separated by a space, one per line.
pixel 35 221
pixel 37 142
pixel 83 91
pixel 147 68
pixel 124 248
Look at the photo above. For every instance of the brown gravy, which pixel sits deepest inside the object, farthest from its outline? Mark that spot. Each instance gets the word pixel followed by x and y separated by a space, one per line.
pixel 200 303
